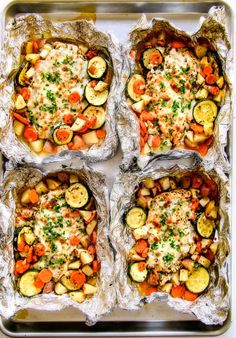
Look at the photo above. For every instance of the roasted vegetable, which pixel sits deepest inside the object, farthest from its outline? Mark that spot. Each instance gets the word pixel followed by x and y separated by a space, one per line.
pixel 205 111
pixel 135 218
pixel 77 195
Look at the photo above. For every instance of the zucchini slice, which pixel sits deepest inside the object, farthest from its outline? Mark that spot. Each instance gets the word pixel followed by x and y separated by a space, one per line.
pixel 198 280
pixel 62 135
pixel 135 218
pixel 136 274
pixel 151 58
pixel 98 112
pixel 205 111
pixel 97 67
pixel 26 284
pixel 205 226
pixel 130 87
pixel 77 195
pixel 94 97
pixel 20 76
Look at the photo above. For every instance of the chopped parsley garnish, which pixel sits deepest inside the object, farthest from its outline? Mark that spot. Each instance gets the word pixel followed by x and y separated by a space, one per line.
pixel 162 86
pixel 56 207
pixel 154 246
pixel 185 70
pixel 168 76
pixel 175 106
pixel 57 261
pixel 181 233
pixel 180 203
pixel 164 103
pixel 52 77
pixel 168 258
pixel 53 247
pixel 163 218
pixel 67 60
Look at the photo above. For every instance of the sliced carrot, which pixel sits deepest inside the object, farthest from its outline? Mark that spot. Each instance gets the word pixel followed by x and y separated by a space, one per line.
pixel 94 237
pixel 91 249
pixel 68 119
pixel 214 90
pixel 139 87
pixel 209 255
pixel 21 246
pixel 74 97
pixel 144 254
pixel 62 134
pixel 26 248
pixel 30 134
pixel 78 278
pixel 156 58
pixel 92 122
pixel 25 92
pixel 95 266
pixel 156 141
pixel 141 266
pixel 33 196
pixel 101 133
pixel 194 204
pixel 177 44
pixel 150 290
pixel 207 70
pixel 74 240
pixel 39 249
pixel 21 118
pixel 197 128
pixel 211 79
pixel 188 295
pixel 21 266
pixel 196 181
pixel 142 142
pixel 73 214
pixel 140 245
pixel 38 283
pixel 203 149
pixel 45 275
pixel 178 291
pixel 143 126
pixel 63 177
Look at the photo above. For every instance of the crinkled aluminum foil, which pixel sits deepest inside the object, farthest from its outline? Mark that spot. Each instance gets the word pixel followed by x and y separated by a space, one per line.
pixel 10 300
pixel 211 28
pixel 17 32
pixel 212 306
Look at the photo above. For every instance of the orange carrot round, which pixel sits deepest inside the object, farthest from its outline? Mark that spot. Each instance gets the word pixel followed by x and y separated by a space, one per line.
pixel 25 92
pixel 190 296
pixel 45 275
pixel 30 134
pixel 21 266
pixel 140 245
pixel 94 237
pixel 214 90
pixel 101 133
pixel 74 240
pixel 95 266
pixel 68 118
pixel 211 79
pixel 178 291
pixel 38 283
pixel 207 70
pixel 39 249
pixel 74 97
pixel 33 196
pixel 78 278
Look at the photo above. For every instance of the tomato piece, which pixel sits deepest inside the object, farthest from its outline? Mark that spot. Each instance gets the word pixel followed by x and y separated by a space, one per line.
pixel 30 134
pixel 197 181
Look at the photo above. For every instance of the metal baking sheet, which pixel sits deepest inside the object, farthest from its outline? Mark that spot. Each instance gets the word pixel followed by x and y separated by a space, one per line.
pixel 155 319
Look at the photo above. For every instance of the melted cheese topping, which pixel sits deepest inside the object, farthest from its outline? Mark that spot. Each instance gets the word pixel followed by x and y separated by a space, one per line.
pixel 170 232
pixel 171 95
pixel 54 229
pixel 61 73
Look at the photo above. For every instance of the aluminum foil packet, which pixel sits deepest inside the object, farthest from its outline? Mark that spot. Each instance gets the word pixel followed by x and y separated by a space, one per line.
pixel 10 299
pixel 18 31
pixel 213 28
pixel 213 305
